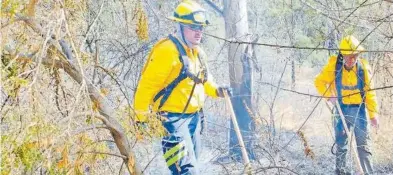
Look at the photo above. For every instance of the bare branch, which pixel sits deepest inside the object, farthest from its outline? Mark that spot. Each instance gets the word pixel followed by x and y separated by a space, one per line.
pixel 290 47
pixel 89 128
pixel 111 154
pixel 115 128
pixel 274 99
pixel 215 7
pixel 273 167
pixel 319 96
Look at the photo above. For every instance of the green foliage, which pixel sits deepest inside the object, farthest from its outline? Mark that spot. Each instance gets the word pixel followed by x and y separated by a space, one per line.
pixel 28 155
pixel 27 148
pixel 35 131
pixel 142 28
pixel 75 5
pixel 7 160
pixel 89 120
pixel 10 8
pixel 10 77
pixel 153 125
pixel 302 24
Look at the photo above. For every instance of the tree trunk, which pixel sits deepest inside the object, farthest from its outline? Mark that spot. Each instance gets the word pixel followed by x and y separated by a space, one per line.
pixel 240 72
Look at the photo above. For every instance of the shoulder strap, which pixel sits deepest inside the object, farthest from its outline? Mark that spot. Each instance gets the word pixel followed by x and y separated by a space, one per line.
pixel 183 54
pixel 165 93
pixel 361 78
pixel 185 60
pixel 338 78
pixel 184 73
pixel 202 58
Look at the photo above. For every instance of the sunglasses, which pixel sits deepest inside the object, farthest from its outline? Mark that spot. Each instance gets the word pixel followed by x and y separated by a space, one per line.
pixel 195 27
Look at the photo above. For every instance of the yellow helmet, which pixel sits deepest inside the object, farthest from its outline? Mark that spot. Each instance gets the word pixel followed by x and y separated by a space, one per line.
pixel 350 45
pixel 190 12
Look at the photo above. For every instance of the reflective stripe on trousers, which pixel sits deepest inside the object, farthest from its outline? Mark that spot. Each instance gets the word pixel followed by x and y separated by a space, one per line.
pixel 181 146
pixel 355 116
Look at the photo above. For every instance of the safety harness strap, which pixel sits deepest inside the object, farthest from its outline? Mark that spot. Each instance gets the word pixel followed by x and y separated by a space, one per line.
pixel 184 73
pixel 339 86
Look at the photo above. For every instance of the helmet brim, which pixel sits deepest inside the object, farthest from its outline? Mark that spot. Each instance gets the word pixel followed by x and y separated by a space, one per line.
pixel 184 21
pixel 358 50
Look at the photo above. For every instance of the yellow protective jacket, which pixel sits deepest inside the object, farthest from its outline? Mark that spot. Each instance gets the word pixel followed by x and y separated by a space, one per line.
pixel 162 67
pixel 349 78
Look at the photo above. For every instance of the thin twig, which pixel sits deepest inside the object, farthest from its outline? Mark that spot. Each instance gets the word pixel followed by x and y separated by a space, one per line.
pixel 92 24
pixel 291 47
pixel 215 7
pixel 274 167
pixel 111 154
pixel 89 128
pixel 275 96
pixel 320 96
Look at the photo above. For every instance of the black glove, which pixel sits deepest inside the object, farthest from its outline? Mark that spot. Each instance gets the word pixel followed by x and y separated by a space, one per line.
pixel 222 89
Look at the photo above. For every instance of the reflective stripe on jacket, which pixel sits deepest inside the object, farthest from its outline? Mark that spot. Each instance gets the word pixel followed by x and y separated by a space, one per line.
pixel 349 79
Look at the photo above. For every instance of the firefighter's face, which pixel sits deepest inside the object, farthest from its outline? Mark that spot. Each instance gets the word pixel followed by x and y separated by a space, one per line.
pixel 350 60
pixel 193 34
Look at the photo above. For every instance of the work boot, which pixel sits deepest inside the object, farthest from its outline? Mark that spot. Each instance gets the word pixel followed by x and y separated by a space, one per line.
pixel 227 159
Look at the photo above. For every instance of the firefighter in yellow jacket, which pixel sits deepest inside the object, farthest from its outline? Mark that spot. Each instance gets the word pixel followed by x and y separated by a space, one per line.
pixel 346 79
pixel 174 83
